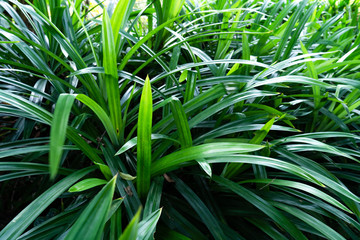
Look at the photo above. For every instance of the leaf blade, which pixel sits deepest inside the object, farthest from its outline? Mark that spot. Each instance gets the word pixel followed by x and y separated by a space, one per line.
pixel 144 140
pixel 58 131
pixel 92 220
pixel 19 224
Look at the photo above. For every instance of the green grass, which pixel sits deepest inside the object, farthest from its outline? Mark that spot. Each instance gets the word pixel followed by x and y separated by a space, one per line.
pixel 183 120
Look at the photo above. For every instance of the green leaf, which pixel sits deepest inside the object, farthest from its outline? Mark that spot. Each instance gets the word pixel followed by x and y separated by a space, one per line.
pixel 268 162
pixel 226 102
pixel 120 16
pixel 275 112
pixel 190 87
pixel 234 127
pixel 181 123
pixel 323 28
pixel 101 114
pixel 114 207
pixel 154 196
pixel 91 222
pixel 89 151
pixel 304 187
pixel 289 29
pixel 126 176
pixel 31 149
pixel 26 106
pixel 299 28
pixel 175 160
pixel 8 42
pixel 316 89
pixel 233 69
pixel 263 132
pixel 267 228
pixel 52 227
pixel 58 131
pixel 77 19
pixel 20 223
pixel 210 221
pixel 131 230
pixel 111 75
pixel 188 228
pixel 310 175
pixel 40 114
pixel 326 230
pixel 315 145
pixel 259 171
pixel 171 9
pixel 245 53
pixel 133 142
pixel 205 166
pixel 170 234
pixel 21 166
pixel 183 76
pixel 144 141
pixel 87 184
pixel 262 205
pixel 105 170
pixel 148 225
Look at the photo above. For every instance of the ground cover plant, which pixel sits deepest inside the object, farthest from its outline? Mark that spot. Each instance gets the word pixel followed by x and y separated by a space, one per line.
pixel 179 119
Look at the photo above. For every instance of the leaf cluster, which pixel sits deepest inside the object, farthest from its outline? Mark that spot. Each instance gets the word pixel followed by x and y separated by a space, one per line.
pixel 180 120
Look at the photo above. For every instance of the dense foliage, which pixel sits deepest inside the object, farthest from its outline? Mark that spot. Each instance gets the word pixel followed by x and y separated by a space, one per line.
pixel 187 119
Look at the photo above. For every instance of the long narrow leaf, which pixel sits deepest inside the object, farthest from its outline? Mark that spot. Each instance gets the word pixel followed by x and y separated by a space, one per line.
pixel 19 224
pixel 144 141
pixel 58 131
pixel 131 230
pixel 262 205
pixel 111 75
pixel 176 159
pixel 92 220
